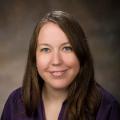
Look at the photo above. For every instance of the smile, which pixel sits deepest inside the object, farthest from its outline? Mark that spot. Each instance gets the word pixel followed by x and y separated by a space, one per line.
pixel 58 73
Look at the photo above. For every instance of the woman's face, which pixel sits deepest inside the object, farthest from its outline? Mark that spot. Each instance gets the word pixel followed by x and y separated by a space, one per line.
pixel 56 61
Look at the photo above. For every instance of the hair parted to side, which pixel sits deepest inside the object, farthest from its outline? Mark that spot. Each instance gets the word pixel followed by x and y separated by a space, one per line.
pixel 83 98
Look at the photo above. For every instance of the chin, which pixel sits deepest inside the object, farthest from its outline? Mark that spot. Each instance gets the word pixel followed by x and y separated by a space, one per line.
pixel 60 86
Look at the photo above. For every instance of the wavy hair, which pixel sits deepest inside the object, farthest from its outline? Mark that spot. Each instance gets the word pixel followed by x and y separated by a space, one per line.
pixel 83 95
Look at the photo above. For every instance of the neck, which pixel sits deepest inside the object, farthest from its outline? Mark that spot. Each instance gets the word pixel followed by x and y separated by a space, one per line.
pixel 52 95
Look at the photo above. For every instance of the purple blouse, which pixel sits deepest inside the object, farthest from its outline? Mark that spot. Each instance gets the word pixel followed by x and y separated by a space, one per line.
pixel 14 109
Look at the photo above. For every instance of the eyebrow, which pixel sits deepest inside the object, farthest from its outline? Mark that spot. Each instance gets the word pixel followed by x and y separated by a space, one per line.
pixel 46 44
pixel 65 43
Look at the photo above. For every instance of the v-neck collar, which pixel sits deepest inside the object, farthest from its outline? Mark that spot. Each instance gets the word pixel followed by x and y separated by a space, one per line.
pixel 42 111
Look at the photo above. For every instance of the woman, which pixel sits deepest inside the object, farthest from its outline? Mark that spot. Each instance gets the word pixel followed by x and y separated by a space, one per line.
pixel 59 78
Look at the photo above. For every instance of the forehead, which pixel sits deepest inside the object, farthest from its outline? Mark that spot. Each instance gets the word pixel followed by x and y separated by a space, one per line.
pixel 51 33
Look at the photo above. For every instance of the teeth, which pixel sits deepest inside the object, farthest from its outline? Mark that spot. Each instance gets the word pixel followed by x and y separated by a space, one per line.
pixel 57 74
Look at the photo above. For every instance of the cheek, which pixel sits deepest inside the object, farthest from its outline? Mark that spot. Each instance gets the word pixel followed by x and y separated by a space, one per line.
pixel 41 62
pixel 72 61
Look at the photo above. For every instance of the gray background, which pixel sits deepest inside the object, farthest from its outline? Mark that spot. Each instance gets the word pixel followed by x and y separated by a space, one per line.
pixel 100 20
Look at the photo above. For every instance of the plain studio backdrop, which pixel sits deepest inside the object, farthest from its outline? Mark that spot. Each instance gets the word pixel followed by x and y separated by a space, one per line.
pixel 100 20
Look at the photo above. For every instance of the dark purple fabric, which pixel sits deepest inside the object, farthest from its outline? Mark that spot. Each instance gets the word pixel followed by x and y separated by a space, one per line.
pixel 109 108
pixel 14 108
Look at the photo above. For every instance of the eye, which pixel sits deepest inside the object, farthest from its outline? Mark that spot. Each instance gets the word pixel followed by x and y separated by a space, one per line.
pixel 67 48
pixel 46 50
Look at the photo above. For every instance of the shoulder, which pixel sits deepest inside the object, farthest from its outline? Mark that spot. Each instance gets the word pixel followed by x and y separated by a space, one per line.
pixel 13 105
pixel 107 97
pixel 15 97
pixel 109 108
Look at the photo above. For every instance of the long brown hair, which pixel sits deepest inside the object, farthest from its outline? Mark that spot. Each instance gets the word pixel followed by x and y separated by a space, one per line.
pixel 83 98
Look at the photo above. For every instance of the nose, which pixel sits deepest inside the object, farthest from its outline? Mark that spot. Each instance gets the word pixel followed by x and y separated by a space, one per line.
pixel 56 59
